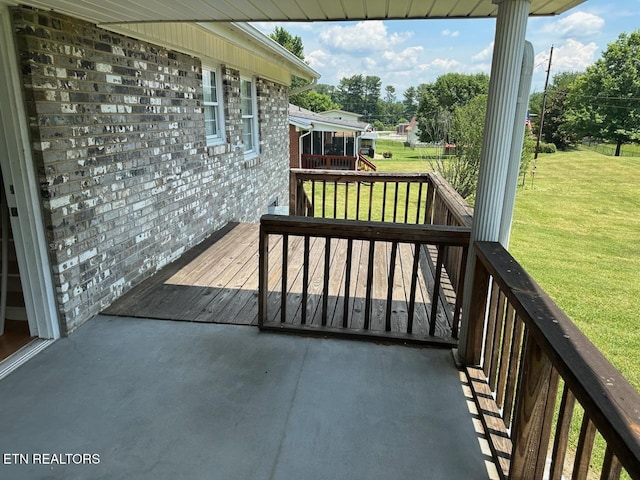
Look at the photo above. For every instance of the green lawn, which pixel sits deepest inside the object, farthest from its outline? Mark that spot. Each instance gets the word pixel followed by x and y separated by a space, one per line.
pixel 577 231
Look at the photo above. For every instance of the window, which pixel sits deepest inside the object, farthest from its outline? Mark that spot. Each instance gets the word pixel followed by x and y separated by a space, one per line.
pixel 249 117
pixel 213 106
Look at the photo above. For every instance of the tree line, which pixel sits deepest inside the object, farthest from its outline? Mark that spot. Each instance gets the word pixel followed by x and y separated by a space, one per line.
pixel 602 103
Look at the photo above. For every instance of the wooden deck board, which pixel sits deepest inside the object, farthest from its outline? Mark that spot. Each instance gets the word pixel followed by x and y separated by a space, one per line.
pixel 218 282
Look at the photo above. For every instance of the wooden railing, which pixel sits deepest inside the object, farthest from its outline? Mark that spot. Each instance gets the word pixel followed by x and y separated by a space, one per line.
pixel 366 165
pixel 328 162
pixel 525 354
pixel 420 198
pixel 351 278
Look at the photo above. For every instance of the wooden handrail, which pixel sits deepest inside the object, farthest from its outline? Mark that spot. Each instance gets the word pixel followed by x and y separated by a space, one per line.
pixel 552 348
pixel 368 164
pixel 361 230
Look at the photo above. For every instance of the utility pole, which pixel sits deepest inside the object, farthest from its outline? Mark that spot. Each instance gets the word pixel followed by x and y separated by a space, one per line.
pixel 544 103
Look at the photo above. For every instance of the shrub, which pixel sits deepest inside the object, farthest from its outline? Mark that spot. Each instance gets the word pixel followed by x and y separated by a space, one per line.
pixel 387 154
pixel 547 148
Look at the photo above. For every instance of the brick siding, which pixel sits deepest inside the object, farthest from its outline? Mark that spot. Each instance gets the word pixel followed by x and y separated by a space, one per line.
pixel 127 181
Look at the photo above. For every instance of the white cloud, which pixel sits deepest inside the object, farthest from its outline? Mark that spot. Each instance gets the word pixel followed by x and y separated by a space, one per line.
pixel 402 60
pixel 445 64
pixel 450 33
pixel 578 24
pixel 484 54
pixel 361 37
pixel 572 56
pixel 318 59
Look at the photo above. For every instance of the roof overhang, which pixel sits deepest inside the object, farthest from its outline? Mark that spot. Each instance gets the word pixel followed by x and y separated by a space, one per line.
pixel 125 11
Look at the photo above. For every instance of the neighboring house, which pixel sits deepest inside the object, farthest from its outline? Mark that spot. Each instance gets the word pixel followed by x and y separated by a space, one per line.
pixel 143 139
pixel 413 132
pixel 322 141
pixel 341 115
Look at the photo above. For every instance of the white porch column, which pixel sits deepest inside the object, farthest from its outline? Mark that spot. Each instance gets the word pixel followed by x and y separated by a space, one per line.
pixel 516 145
pixel 511 26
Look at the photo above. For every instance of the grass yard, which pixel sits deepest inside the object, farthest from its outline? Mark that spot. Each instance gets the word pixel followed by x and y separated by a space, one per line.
pixel 577 232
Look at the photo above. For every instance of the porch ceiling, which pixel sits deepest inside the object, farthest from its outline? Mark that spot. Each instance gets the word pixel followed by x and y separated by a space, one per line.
pixel 121 11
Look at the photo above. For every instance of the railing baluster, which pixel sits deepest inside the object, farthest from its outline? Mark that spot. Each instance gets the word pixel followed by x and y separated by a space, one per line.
pixel 428 208
pixel 371 187
pixel 367 303
pixel 534 411
pixel 414 284
pixel 419 202
pixel 313 197
pixel 285 264
pixel 611 467
pixel 384 201
pixel 507 337
pixel 457 310
pixel 347 284
pixel 395 203
pixel 436 291
pixel 324 198
pixel 499 327
pixel 512 376
pixel 392 270
pixel 305 280
pixel 346 200
pixel 325 287
pixel 561 440
pixel 335 199
pixel 491 328
pixel 358 203
pixel 406 202
pixel 585 447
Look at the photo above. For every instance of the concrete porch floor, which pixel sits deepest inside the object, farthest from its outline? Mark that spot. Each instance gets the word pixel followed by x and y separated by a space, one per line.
pixel 163 399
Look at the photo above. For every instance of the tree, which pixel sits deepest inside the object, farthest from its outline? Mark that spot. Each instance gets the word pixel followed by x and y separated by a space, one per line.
pixel 554 129
pixel 439 99
pixel 605 101
pixel 288 41
pixel 314 101
pixel 308 99
pixel 466 132
pixel 410 102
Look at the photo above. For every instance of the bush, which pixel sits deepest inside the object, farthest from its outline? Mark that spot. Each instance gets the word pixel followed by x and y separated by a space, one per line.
pixel 547 148
pixel 387 154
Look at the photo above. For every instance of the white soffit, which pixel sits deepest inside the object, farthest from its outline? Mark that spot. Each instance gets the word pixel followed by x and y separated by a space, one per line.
pixel 123 11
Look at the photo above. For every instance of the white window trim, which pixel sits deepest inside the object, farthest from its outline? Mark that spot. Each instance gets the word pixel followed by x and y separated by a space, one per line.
pixel 254 151
pixel 219 106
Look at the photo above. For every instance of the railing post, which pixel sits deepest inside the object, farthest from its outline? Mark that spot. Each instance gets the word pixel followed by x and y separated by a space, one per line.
pixel 477 310
pixel 263 275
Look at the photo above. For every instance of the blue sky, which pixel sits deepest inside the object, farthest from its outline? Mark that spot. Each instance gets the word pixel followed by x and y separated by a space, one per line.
pixel 409 52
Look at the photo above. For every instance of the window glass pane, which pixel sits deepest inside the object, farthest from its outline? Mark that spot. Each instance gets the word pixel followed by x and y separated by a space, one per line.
pixel 210 123
pixel 247 104
pixel 247 134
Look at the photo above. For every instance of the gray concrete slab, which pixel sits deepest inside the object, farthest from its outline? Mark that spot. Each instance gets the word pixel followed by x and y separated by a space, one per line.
pixel 161 399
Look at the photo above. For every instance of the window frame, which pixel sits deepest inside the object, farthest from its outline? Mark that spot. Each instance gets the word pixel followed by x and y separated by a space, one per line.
pixel 254 148
pixel 217 105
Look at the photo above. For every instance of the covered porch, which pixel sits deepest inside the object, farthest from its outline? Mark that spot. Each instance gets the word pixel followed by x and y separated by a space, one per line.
pixel 166 399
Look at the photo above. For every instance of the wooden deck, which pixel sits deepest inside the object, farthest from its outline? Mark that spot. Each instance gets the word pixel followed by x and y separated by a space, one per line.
pixel 217 282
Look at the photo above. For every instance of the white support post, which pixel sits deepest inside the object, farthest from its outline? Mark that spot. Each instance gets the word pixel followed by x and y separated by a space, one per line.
pixel 516 145
pixel 508 50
